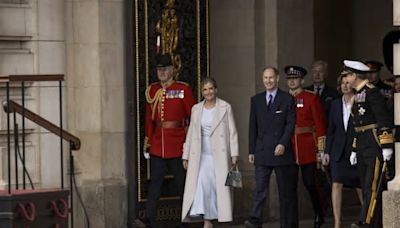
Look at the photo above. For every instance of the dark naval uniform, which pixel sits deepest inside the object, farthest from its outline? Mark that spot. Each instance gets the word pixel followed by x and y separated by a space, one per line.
pixel 373 126
pixel 167 116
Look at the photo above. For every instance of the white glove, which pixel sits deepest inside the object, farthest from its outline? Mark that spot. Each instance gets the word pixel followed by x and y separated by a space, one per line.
pixel 146 155
pixel 387 154
pixel 353 158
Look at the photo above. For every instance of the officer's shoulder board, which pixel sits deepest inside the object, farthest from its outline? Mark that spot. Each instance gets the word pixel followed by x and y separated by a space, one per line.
pixel 370 85
pixel 388 82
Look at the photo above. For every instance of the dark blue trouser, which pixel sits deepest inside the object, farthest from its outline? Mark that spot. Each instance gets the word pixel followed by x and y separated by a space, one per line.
pixel 286 177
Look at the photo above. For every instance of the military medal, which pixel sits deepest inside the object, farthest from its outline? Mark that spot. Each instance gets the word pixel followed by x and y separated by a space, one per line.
pixel 181 94
pixel 300 103
pixel 361 111
pixel 361 96
pixel 172 94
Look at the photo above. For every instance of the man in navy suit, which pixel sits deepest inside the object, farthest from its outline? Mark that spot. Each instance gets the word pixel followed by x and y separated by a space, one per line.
pixel 319 72
pixel 271 127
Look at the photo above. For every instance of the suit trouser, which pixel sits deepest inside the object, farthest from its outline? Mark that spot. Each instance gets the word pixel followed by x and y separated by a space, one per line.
pixel 367 152
pixel 309 176
pixel 286 177
pixel 159 167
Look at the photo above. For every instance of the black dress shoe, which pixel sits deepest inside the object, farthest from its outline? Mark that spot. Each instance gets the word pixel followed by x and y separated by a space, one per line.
pixel 318 221
pixel 359 224
pixel 251 224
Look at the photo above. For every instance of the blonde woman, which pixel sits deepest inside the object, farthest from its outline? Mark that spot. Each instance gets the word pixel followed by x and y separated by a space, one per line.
pixel 210 150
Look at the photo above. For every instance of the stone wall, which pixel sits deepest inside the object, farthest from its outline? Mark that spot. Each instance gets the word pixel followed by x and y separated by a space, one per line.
pixel 96 90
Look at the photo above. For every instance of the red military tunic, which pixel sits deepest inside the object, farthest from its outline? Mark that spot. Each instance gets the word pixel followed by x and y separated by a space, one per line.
pixel 310 127
pixel 167 114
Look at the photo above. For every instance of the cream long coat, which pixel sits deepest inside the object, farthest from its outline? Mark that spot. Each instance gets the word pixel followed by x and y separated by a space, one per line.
pixel 224 144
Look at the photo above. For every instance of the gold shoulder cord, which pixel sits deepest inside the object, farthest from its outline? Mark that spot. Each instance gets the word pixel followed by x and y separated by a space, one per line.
pixel 153 101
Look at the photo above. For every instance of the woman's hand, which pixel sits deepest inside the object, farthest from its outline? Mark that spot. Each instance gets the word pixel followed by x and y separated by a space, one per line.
pixel 234 160
pixel 185 164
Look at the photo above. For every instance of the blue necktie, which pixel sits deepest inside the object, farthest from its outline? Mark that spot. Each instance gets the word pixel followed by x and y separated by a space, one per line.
pixel 269 104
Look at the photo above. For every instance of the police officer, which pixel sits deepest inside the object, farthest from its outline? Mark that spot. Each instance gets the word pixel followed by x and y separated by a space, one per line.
pixel 374 77
pixel 168 109
pixel 310 128
pixel 373 141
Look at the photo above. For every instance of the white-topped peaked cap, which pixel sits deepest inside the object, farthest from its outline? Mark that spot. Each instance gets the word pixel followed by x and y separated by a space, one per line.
pixel 356 66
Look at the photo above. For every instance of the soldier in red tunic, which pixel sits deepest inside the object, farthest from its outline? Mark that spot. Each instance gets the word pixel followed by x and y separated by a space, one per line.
pixel 168 109
pixel 309 137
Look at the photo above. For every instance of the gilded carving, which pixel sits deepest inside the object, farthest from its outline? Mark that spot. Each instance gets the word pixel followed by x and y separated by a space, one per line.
pixel 168 29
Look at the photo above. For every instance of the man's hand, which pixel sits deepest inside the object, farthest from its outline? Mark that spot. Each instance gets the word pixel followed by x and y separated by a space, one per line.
pixel 185 163
pixel 146 155
pixel 387 154
pixel 251 158
pixel 279 150
pixel 353 158
pixel 325 159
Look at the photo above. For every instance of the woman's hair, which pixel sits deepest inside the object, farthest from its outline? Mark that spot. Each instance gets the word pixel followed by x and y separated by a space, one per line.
pixel 208 80
pixel 339 83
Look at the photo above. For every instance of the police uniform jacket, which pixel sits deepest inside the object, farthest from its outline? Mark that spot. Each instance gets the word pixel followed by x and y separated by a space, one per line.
pixel 327 96
pixel 167 115
pixel 310 128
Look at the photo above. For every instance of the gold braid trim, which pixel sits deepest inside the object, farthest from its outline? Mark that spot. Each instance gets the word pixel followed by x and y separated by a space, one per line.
pixel 321 143
pixel 372 201
pixel 153 101
pixel 354 145
pixel 386 138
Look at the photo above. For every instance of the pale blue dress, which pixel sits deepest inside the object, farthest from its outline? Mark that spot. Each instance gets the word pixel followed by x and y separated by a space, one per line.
pixel 205 200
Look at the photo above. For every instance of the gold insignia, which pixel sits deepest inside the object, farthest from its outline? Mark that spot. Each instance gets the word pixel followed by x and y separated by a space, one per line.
pixel 321 143
pixel 361 85
pixel 370 85
pixel 354 145
pixel 386 138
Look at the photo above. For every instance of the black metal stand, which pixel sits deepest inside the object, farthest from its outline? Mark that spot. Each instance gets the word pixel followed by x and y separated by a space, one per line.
pixel 71 179
pixel 8 139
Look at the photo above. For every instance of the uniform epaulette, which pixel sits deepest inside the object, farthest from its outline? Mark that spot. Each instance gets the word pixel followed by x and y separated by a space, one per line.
pixel 388 82
pixel 370 85
pixel 309 91
pixel 184 83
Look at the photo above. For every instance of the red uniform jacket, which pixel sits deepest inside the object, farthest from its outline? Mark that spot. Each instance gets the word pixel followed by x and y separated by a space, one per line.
pixel 310 127
pixel 167 115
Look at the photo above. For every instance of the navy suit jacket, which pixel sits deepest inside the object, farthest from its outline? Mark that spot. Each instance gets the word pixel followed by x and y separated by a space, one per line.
pixel 270 127
pixel 338 141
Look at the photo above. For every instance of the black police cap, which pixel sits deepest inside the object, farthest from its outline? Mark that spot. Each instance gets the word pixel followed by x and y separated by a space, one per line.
pixel 373 65
pixel 295 71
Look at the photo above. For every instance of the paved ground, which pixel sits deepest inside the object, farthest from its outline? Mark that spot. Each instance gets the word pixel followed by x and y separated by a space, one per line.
pixel 308 223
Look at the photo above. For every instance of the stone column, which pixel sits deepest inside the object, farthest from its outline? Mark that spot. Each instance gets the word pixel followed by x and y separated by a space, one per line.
pixel 391 197
pixel 232 65
pixel 95 100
